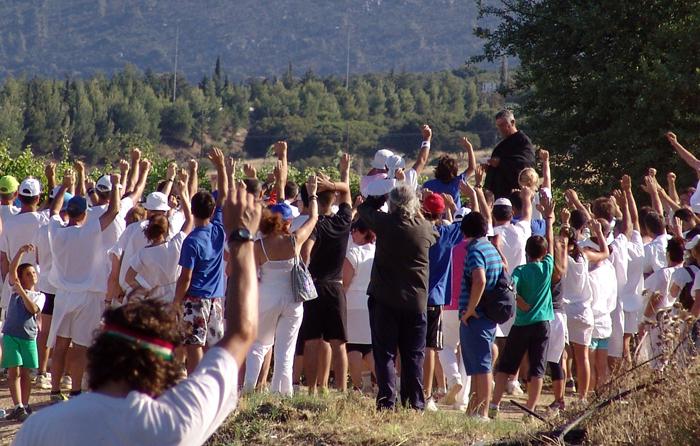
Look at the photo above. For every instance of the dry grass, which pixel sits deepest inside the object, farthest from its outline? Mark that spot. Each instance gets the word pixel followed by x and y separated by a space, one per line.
pixel 349 420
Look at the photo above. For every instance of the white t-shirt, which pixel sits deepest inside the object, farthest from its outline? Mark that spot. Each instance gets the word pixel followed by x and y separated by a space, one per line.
pixel 45 260
pixel 158 269
pixel 78 263
pixel 655 254
pixel 361 258
pixel 660 281
pixel 19 230
pixel 112 232
pixel 681 278
pixel 6 210
pixel 620 258
pixel 631 293
pixel 187 414
pixel 131 242
pixel 513 240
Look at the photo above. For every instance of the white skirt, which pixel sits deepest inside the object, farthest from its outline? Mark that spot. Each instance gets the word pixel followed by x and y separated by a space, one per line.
pixel 558 337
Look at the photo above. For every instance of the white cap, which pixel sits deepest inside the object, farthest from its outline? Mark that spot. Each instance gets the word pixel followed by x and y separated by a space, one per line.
pixel 380 157
pixel 156 201
pixel 104 184
pixel 503 202
pixel 693 242
pixel 395 162
pixel 462 212
pixel 30 187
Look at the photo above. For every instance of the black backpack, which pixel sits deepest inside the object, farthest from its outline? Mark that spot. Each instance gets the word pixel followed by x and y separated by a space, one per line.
pixel 498 304
pixel 686 297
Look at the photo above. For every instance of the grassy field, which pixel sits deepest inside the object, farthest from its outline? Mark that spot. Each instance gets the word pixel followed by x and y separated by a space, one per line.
pixel 351 420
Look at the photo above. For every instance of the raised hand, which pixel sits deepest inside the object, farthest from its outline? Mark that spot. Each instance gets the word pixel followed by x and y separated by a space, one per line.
pixel 427 132
pixel 50 170
pixel 26 248
pixel 595 226
pixel 312 185
pixel 465 143
pixel 145 165
pixel 544 156
pixel 671 137
pixel 249 171
pixel 79 166
pixel 400 175
pixel 216 156
pixel 465 188
pixel 116 179
pixel 280 148
pixel 565 216
pixel 135 154
pixel 123 166
pixel 231 166
pixel 171 171
pixel 626 183
pixel 193 164
pixel 345 160
pixel 68 179
pixel 279 169
pixel 479 175
pixel 547 205
pixel 449 202
pixel 671 177
pixel 244 212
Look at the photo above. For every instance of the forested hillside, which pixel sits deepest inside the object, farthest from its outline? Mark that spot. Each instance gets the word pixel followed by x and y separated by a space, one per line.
pixel 99 117
pixel 253 37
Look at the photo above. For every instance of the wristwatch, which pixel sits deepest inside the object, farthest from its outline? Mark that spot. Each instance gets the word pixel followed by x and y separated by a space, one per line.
pixel 241 235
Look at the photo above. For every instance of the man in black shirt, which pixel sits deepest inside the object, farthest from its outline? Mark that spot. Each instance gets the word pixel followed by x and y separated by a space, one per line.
pixel 513 154
pixel 325 317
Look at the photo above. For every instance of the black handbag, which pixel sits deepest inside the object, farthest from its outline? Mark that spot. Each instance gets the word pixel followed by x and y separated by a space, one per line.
pixel 498 304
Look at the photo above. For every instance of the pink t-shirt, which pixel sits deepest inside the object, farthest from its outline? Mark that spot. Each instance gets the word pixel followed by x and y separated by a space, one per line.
pixel 459 252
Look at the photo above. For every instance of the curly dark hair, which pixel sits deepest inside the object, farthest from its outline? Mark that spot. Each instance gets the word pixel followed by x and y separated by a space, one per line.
pixel 446 169
pixel 114 359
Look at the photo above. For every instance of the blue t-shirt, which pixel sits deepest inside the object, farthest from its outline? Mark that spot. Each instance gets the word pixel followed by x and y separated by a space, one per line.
pixel 19 322
pixel 480 254
pixel 451 188
pixel 440 264
pixel 203 253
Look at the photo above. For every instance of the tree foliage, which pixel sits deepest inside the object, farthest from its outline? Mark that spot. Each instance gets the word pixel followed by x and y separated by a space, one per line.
pixel 600 82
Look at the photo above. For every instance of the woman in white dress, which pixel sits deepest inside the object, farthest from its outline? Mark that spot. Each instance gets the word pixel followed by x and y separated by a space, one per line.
pixel 279 314
pixel 154 270
pixel 357 270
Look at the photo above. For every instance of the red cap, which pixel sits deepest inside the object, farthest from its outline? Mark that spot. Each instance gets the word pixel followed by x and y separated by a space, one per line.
pixel 434 204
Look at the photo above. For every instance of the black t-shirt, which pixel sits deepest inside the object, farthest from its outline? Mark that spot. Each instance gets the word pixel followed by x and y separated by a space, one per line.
pixel 557 298
pixel 330 244
pixel 516 153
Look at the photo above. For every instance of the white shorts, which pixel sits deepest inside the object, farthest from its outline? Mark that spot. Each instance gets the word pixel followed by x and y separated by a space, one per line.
pixel 579 332
pixel 76 316
pixel 616 342
pixel 631 322
pixel 558 337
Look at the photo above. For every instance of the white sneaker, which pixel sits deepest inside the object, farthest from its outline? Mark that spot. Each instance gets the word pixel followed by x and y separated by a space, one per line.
pixel 513 388
pixel 44 381
pixel 67 382
pixel 430 405
pixel 479 418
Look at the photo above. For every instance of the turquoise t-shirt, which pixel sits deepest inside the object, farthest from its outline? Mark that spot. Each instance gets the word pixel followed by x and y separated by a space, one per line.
pixel 533 282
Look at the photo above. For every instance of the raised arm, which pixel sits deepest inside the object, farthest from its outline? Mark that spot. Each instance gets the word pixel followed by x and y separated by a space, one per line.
pixel 134 171
pixel 546 170
pixel 471 157
pixel 79 167
pixel 124 171
pixel 345 161
pixel 484 207
pixel 217 158
pixel 184 195
pixel 468 191
pixel 242 291
pixel 572 198
pixel 626 184
pixel 57 203
pixel 112 211
pixel 14 279
pixel 280 172
pixel 604 251
pixel 626 224
pixel 193 171
pixel 526 195
pixel 424 152
pixel 651 187
pixel 170 173
pixel 144 170
pixel 304 232
pixel 561 254
pixel 672 190
pixel 684 153
pixel 548 215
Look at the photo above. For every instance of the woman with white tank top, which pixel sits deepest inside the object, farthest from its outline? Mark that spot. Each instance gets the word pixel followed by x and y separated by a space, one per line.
pixel 279 315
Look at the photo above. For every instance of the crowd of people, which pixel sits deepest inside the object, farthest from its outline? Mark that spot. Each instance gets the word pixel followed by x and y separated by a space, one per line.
pixel 455 291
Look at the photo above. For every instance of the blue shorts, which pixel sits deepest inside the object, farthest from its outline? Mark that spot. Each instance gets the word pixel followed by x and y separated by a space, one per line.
pixel 599 343
pixel 476 339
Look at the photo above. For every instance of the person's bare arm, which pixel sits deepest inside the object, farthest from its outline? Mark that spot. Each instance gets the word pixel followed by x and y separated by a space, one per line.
pixel 424 152
pixel 348 274
pixel 281 169
pixel 79 167
pixel 672 190
pixel 526 195
pixel 572 198
pixel 144 170
pixel 626 185
pixel 4 265
pixel 134 171
pixel 182 285
pixel 651 187
pixel 471 157
pixel 14 279
pixel 50 173
pixel 130 278
pixel 468 191
pixel 124 171
pixel 666 201
pixel 304 232
pixel 604 251
pixel 114 206
pixel 684 153
pixel 548 215
pixel 477 289
pixel 345 161
pixel 217 158
pixel 185 206
pixel 306 249
pixel 561 257
pixel 626 223
pixel 242 291
pixel 484 207
pixel 193 182
pixel 170 173
pixel 546 169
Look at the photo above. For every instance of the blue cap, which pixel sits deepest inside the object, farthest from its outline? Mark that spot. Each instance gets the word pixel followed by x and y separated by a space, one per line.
pixel 283 209
pixel 67 197
pixel 76 206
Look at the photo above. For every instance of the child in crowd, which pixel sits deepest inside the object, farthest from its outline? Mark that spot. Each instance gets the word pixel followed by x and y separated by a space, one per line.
pixel 20 354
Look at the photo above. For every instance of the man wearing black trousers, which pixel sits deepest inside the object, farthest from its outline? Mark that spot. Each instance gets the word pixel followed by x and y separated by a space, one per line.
pixel 398 293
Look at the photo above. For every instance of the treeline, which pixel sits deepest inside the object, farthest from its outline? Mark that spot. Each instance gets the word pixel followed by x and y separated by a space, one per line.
pixel 100 117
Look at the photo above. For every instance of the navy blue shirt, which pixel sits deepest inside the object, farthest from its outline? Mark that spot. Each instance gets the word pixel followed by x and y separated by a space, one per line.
pixel 203 253
pixel 440 264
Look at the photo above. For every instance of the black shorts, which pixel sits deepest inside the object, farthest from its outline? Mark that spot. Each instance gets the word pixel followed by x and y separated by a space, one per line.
pixel 530 339
pixel 364 349
pixel 434 338
pixel 326 316
pixel 48 305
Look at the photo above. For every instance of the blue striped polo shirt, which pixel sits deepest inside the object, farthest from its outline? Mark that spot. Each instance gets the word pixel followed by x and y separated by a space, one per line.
pixel 480 254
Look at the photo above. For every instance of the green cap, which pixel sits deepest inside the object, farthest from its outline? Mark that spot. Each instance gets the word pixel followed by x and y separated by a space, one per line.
pixel 8 184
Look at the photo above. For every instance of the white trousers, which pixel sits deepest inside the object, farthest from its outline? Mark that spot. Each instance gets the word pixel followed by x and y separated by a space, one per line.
pixel 278 325
pixel 449 358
